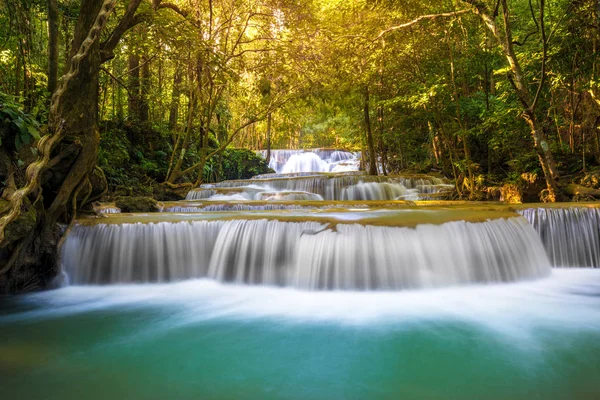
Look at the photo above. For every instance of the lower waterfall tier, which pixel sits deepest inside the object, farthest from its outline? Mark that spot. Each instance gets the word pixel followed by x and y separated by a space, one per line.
pixel 306 254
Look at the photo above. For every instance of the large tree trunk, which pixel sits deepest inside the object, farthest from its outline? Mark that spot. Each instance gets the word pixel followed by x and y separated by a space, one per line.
pixel 370 142
pixel 66 160
pixel 174 108
pixel 133 101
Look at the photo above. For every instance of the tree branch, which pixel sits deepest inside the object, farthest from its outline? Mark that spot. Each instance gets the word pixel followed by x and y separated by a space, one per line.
pixel 537 27
pixel 128 21
pixel 419 19
pixel 117 80
pixel 173 7
pixel 544 57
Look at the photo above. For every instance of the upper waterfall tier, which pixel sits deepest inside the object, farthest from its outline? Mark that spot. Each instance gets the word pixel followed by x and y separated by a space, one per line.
pixel 353 250
pixel 312 160
pixel 331 187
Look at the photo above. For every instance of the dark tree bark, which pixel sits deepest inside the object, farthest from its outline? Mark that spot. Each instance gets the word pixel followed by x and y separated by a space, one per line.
pixel 144 107
pixel 60 178
pixel 174 107
pixel 269 137
pixel 52 45
pixel 370 142
pixel 133 99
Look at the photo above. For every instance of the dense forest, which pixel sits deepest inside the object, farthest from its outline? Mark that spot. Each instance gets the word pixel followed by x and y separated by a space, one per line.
pixel 100 98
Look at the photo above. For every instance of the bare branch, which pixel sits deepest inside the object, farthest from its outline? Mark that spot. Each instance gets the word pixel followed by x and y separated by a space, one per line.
pixel 421 18
pixel 544 57
pixel 537 27
pixel 127 22
pixel 117 80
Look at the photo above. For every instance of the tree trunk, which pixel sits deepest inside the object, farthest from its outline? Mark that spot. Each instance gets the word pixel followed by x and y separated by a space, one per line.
pixel 52 45
pixel 179 151
pixel 133 100
pixel 370 143
pixel 174 108
pixel 72 125
pixel 382 151
pixel 517 79
pixel 268 138
pixel 66 159
pixel 144 90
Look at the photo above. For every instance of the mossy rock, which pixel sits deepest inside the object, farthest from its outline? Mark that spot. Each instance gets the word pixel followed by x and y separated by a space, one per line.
pixel 20 227
pixel 165 193
pixel 591 180
pixel 136 204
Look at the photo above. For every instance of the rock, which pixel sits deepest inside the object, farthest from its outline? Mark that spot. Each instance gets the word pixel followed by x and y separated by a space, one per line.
pixel 136 204
pixel 20 227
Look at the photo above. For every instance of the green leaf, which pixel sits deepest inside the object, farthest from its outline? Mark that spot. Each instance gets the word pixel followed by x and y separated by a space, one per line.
pixel 25 138
pixel 33 132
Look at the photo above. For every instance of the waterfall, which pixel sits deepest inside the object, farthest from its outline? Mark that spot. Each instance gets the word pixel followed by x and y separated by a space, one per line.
pixel 312 160
pixel 305 162
pixel 247 192
pixel 335 186
pixel 106 208
pixel 571 235
pixel 288 196
pixel 379 191
pixel 304 254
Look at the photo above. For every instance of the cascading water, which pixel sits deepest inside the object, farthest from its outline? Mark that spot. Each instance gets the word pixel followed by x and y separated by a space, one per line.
pixel 209 205
pixel 305 162
pixel 337 186
pixel 312 160
pixel 310 255
pixel 570 235
pixel 288 196
pixel 379 191
pixel 313 295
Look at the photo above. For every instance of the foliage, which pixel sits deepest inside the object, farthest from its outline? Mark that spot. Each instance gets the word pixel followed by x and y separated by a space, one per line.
pixel 235 164
pixel 17 128
pixel 133 157
pixel 192 80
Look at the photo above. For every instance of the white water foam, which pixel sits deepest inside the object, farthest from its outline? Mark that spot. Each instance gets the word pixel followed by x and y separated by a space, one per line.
pixel 568 300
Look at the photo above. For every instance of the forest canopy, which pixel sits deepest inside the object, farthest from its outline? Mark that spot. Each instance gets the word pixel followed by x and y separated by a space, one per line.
pixel 419 85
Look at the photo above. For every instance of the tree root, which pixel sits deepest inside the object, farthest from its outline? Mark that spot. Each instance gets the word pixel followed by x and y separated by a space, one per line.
pixel 104 182
pixel 176 186
pixel 575 189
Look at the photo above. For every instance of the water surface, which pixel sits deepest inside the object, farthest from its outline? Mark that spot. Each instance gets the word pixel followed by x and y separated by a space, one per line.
pixel 203 340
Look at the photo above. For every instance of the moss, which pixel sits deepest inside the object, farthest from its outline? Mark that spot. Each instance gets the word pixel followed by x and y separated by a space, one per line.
pixel 136 204
pixel 20 227
pixel 410 216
